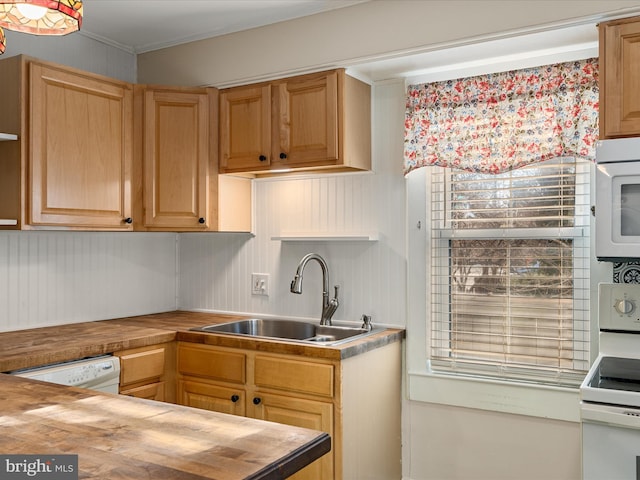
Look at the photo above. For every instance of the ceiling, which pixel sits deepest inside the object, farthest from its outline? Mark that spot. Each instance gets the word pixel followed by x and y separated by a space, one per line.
pixel 140 26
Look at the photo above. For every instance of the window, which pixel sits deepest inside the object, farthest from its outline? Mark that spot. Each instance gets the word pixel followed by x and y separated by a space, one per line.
pixel 498 169
pixel 509 271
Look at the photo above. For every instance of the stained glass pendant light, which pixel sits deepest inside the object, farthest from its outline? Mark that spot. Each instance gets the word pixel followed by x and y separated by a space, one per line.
pixel 41 17
pixel 3 41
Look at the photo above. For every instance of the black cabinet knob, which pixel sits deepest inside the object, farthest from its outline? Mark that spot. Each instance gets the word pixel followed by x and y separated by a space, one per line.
pixel 256 400
pixel 235 398
pixel 283 155
pixel 128 220
pixel 201 220
pixel 262 158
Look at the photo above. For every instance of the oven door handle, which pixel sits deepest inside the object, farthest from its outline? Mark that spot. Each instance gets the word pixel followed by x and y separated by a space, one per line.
pixel 610 415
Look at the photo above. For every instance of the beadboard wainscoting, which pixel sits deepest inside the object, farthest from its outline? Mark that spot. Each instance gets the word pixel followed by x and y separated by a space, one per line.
pixel 52 278
pixel 216 269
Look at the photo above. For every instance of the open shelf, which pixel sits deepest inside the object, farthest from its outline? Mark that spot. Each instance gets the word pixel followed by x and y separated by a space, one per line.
pixel 327 237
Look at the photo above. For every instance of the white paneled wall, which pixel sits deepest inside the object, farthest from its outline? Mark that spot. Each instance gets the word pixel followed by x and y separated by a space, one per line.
pixel 215 270
pixel 50 278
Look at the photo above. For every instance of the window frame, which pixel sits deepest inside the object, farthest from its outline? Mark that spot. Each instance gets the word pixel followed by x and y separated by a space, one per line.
pixel 443 232
pixel 421 383
pixel 425 385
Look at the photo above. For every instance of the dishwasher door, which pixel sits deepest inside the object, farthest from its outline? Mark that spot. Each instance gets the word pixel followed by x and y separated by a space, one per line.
pixel 96 373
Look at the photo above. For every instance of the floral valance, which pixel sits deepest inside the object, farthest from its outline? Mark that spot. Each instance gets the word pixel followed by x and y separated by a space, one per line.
pixel 502 121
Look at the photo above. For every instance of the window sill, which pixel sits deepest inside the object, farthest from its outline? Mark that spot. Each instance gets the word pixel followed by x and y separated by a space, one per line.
pixel 507 397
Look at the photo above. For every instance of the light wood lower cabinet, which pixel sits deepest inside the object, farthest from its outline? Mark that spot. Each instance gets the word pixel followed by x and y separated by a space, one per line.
pixel 356 401
pixel 147 372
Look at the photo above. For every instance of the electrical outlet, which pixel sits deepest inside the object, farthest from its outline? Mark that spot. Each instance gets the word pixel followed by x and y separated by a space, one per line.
pixel 260 284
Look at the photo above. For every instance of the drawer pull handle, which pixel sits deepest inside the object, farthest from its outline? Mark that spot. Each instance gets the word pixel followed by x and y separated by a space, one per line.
pixel 262 158
pixel 256 400
pixel 235 398
pixel 283 155
pixel 128 220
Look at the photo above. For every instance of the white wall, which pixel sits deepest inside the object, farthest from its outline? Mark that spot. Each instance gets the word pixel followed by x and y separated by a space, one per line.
pixel 52 278
pixel 74 50
pixel 348 36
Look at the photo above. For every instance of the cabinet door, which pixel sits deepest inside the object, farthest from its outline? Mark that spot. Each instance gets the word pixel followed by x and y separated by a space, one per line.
pixel 176 159
pixel 152 391
pixel 620 79
pixel 208 396
pixel 80 140
pixel 298 413
pixel 245 128
pixel 306 110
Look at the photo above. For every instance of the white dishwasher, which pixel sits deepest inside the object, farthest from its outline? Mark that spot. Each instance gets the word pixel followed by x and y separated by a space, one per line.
pixel 96 373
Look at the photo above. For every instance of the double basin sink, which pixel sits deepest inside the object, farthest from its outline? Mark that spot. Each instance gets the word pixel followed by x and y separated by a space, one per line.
pixel 289 330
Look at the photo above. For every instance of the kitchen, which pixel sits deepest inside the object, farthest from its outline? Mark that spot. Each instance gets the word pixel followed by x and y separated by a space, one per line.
pixel 60 277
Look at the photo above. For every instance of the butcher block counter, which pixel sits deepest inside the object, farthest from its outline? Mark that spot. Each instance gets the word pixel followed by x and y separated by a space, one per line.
pixel 319 387
pixel 41 346
pixel 119 437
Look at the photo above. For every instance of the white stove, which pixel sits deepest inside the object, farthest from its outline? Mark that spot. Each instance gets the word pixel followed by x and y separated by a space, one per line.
pixel 610 393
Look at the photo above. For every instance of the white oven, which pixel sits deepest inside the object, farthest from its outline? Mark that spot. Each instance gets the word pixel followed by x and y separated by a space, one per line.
pixel 610 393
pixel 618 198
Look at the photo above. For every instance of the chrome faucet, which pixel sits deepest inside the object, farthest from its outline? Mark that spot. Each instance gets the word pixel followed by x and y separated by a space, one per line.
pixel 329 306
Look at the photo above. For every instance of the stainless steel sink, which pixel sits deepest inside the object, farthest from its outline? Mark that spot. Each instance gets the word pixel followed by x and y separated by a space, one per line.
pixel 288 330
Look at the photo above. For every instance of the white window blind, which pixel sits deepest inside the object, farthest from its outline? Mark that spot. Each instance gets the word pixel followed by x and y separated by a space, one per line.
pixel 510 272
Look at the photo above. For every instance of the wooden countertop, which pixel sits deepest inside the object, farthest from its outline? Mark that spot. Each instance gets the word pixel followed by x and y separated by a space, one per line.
pixel 123 437
pixel 40 346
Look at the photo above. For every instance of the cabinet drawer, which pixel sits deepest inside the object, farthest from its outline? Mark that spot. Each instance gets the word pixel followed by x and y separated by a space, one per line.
pixel 212 363
pixel 152 391
pixel 293 375
pixel 141 366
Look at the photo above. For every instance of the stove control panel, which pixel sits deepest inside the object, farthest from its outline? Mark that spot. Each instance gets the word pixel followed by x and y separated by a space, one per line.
pixel 619 306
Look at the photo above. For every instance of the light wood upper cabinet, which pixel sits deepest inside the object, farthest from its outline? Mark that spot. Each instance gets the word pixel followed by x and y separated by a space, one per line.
pixel 245 128
pixel 94 153
pixel 181 189
pixel 311 122
pixel 177 161
pixel 620 78
pixel 307 124
pixel 71 167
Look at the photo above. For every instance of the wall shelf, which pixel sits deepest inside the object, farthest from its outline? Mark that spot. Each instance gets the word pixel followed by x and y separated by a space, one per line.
pixel 5 137
pixel 327 237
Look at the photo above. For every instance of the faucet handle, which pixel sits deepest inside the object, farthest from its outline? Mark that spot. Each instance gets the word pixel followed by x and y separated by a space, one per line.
pixel 336 288
pixel 366 322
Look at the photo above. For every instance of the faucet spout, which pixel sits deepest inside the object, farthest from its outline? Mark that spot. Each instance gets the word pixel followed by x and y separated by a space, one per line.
pixel 329 306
